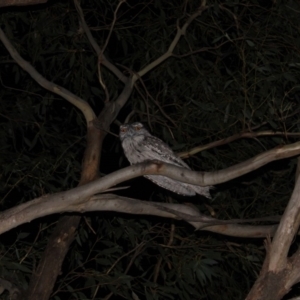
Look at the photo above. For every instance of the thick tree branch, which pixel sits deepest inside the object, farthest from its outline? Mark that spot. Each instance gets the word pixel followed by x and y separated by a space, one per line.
pixel 50 86
pixel 286 232
pixel 75 202
pixel 293 269
pixel 251 164
pixel 278 267
pixel 31 210
pixel 212 178
pixel 4 3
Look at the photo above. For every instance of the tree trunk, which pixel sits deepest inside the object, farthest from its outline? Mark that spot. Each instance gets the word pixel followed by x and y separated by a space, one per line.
pixel 44 277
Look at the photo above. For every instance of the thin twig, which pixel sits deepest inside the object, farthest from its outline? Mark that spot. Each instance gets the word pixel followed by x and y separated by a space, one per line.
pixel 180 32
pixel 158 264
pixel 96 47
pixel 101 58
pixel 112 26
pixel 232 138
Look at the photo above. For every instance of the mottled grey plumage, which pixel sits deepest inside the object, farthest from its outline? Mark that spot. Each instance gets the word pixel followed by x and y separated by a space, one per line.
pixel 139 145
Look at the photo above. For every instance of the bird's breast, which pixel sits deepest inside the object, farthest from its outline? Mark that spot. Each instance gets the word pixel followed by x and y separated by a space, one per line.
pixel 133 149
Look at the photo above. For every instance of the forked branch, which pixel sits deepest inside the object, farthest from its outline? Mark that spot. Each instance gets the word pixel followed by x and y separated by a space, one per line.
pixel 180 32
pixel 280 272
pixel 96 47
pixel 78 198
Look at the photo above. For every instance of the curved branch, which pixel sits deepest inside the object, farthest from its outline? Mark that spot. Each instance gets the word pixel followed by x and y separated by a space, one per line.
pixel 77 198
pixel 249 135
pixel 210 178
pixel 75 100
pixel 169 53
pixel 75 202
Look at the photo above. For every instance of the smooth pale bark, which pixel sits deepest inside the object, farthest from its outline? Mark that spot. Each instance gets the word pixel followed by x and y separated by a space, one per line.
pixel 280 272
pixel 61 202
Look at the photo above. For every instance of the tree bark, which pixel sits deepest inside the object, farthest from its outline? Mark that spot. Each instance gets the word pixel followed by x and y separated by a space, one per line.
pixel 4 3
pixel 280 272
pixel 44 277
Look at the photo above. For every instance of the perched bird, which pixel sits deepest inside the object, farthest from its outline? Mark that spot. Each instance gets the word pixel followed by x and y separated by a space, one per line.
pixel 139 146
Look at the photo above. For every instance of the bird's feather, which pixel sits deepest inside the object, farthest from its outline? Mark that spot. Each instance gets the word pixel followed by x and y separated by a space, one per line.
pixel 139 146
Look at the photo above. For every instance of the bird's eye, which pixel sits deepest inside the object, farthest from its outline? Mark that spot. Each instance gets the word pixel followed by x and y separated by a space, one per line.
pixel 123 129
pixel 137 128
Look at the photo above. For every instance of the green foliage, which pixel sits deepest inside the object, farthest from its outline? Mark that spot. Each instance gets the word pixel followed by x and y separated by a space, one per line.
pixel 182 271
pixel 235 70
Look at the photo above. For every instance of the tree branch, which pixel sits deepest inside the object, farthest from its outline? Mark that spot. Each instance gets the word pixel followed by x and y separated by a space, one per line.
pixel 212 178
pixel 286 231
pixel 70 200
pixel 100 55
pixel 278 267
pixel 249 135
pixel 96 47
pixel 75 100
pixel 180 32
pixel 4 3
pixel 75 202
